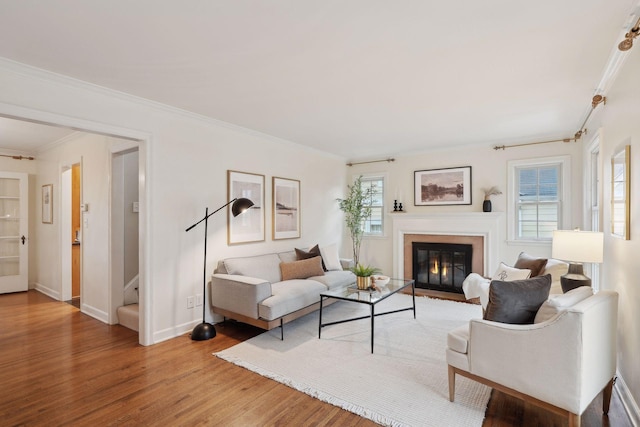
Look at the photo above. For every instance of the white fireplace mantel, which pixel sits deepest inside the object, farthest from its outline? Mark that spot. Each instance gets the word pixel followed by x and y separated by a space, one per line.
pixel 489 225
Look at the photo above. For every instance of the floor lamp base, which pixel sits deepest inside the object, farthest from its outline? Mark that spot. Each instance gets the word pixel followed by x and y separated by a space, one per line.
pixel 204 331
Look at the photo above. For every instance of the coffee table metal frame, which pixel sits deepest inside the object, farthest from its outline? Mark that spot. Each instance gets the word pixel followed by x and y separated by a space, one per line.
pixel 370 297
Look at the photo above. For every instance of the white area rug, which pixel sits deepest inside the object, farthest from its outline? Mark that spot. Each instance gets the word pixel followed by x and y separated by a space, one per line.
pixel 403 383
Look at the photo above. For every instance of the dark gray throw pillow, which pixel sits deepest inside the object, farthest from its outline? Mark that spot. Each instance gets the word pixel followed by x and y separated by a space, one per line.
pixel 518 301
pixel 311 253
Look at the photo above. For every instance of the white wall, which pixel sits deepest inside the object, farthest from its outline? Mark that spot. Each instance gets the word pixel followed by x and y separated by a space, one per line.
pixel 185 159
pixel 488 168
pixel 621 270
pixel 131 228
pixel 93 151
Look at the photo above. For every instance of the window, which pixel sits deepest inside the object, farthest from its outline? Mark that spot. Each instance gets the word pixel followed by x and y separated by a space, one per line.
pixel 538 193
pixel 374 225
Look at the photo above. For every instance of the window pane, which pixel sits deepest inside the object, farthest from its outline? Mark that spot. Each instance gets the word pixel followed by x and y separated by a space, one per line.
pixel 538 201
pixel 374 225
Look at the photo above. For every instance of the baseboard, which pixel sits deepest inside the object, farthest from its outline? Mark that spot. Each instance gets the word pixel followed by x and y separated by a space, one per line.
pixel 629 403
pixel 176 331
pixel 95 313
pixel 47 291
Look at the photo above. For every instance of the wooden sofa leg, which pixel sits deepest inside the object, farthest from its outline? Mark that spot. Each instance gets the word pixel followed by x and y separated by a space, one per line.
pixel 452 383
pixel 606 396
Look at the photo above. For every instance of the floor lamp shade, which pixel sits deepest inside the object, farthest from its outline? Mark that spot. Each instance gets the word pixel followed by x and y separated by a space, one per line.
pixel 204 330
pixel 577 247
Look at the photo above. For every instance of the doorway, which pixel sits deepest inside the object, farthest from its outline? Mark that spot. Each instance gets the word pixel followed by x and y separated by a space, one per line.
pixel 125 236
pixel 76 253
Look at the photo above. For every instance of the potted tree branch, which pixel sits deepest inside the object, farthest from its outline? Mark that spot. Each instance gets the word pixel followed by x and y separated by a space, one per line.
pixel 357 208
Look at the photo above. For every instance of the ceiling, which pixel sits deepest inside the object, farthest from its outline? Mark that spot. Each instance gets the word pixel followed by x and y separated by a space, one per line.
pixel 357 78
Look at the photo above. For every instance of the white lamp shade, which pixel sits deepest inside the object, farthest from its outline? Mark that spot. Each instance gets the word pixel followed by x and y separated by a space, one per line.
pixel 577 246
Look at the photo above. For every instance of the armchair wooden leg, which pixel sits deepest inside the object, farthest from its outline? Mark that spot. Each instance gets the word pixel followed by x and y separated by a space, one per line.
pixel 574 420
pixel 452 383
pixel 606 396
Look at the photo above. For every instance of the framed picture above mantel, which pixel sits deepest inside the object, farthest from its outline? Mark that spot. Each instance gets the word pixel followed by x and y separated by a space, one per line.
pixel 439 187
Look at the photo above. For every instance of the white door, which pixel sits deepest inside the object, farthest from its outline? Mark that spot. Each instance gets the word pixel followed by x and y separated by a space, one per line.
pixel 13 232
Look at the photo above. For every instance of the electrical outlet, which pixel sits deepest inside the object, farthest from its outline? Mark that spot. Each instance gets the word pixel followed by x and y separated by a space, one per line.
pixel 198 300
pixel 190 302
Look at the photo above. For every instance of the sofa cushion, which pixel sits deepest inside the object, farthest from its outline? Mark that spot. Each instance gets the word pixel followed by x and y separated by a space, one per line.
pixel 536 265
pixel 330 257
pixel 559 303
pixel 265 267
pixel 313 252
pixel 289 296
pixel 302 269
pixel 288 256
pixel 506 273
pixel 556 269
pixel 336 279
pixel 517 301
pixel 458 339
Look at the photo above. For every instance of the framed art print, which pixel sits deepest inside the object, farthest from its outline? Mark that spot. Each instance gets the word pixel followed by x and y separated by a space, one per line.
pixel 286 208
pixel 47 204
pixel 620 193
pixel 436 187
pixel 248 227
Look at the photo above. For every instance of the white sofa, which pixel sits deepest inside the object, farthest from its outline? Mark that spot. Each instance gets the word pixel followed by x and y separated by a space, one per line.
pixel 252 289
pixel 560 363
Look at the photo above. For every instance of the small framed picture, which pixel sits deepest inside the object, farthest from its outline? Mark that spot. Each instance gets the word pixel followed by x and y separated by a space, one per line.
pixel 436 187
pixel 47 204
pixel 249 226
pixel 286 208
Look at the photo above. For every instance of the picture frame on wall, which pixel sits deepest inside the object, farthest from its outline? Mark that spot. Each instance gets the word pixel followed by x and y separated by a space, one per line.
pixel 248 227
pixel 621 193
pixel 438 187
pixel 47 204
pixel 286 208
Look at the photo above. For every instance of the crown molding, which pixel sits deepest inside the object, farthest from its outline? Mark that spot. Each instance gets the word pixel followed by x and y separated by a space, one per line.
pixel 62 80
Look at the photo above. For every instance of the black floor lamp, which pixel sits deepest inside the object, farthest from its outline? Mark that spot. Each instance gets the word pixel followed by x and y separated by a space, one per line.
pixel 205 331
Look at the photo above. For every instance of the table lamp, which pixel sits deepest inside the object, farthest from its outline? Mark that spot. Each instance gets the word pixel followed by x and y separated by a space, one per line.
pixel 576 247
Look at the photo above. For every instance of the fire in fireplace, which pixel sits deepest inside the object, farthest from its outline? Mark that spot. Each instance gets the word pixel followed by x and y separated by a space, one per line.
pixel 441 266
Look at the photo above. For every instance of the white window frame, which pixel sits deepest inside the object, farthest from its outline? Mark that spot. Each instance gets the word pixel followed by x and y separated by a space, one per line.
pixel 593 199
pixel 383 178
pixel 512 197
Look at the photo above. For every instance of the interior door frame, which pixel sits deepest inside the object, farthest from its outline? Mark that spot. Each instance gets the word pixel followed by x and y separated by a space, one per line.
pixel 143 141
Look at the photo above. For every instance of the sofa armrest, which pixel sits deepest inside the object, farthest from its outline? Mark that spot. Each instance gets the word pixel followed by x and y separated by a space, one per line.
pixel 347 263
pixel 239 294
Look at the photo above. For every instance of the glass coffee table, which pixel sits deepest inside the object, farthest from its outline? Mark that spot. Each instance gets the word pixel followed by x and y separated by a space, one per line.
pixel 370 297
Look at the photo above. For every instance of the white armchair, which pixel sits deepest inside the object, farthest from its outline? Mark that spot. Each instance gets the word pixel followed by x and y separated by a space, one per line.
pixel 560 364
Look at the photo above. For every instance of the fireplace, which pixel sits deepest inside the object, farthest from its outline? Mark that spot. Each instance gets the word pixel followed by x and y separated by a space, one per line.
pixel 441 266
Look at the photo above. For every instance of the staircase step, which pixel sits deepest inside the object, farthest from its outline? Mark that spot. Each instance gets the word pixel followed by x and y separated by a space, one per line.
pixel 128 316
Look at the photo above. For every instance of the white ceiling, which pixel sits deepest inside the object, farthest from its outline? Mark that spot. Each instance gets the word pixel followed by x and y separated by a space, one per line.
pixel 358 78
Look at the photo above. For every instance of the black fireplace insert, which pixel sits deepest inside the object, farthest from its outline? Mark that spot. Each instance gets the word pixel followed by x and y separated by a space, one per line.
pixel 441 266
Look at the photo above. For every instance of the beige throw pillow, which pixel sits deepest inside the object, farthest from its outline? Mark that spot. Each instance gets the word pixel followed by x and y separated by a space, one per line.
pixel 561 302
pixel 302 269
pixel 507 274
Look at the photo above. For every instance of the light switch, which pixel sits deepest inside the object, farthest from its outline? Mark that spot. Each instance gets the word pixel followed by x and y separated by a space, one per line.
pixel 136 207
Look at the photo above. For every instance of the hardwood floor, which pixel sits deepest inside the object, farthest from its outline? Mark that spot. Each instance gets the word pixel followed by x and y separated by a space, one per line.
pixel 61 367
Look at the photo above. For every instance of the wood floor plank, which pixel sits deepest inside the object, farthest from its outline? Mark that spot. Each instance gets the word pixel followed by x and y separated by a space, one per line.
pixel 61 367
